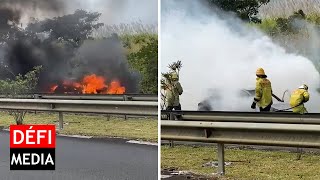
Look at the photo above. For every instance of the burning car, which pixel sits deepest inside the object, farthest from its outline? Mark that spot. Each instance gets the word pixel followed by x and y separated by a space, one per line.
pixel 90 84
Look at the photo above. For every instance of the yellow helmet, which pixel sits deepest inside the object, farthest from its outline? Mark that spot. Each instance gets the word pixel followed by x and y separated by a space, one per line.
pixel 260 71
pixel 304 86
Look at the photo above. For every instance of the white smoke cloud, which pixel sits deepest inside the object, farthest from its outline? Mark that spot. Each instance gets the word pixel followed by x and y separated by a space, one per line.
pixel 219 51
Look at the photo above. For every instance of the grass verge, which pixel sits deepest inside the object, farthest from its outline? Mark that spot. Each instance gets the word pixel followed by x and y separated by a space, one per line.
pixel 246 164
pixel 97 125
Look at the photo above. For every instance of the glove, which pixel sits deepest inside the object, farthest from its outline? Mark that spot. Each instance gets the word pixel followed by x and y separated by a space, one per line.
pixel 253 105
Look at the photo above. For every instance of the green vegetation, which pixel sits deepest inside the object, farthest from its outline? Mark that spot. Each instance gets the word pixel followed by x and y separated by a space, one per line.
pixel 21 83
pixel 246 164
pixel 146 62
pixel 246 10
pixel 142 53
pixel 285 8
pixel 97 125
pixel 296 33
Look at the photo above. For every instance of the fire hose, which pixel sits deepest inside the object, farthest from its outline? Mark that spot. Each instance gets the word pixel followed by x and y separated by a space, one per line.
pixel 284 94
pixel 290 107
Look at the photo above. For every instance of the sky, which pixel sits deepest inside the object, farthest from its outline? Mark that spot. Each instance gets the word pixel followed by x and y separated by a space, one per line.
pixel 113 11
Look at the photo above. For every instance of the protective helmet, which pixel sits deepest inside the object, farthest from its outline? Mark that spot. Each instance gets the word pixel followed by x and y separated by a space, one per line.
pixel 304 86
pixel 174 76
pixel 260 71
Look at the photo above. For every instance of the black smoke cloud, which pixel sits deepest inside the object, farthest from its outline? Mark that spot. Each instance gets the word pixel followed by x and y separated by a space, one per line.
pixel 103 57
pixel 11 10
pixel 24 54
pixel 48 5
pixel 8 15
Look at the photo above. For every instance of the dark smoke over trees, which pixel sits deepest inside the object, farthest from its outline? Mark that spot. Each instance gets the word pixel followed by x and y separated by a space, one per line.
pixel 63 46
pixel 74 28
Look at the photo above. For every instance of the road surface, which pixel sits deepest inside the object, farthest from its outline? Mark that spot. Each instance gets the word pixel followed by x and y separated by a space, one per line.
pixel 89 159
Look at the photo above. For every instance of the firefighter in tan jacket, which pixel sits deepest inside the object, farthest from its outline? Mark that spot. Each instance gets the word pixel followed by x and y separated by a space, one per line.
pixel 298 98
pixel 173 92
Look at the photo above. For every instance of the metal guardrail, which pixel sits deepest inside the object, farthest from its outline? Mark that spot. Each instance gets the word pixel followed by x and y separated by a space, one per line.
pixel 272 129
pixel 120 97
pixel 253 117
pixel 82 106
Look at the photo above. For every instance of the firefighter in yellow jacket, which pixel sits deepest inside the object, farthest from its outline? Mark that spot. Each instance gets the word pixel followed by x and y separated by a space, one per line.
pixel 298 98
pixel 263 95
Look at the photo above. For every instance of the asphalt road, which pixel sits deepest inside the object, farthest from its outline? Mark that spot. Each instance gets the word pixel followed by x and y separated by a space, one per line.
pixel 89 159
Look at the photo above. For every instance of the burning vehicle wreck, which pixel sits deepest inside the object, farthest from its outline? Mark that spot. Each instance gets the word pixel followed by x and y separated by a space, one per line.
pixel 90 84
pixel 213 102
pixel 92 70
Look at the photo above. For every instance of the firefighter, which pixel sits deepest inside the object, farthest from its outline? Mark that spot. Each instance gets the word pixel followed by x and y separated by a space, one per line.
pixel 173 92
pixel 298 98
pixel 263 92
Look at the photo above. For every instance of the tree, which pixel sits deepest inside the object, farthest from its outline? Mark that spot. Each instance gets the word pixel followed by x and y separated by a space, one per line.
pixel 247 10
pixel 291 25
pixel 75 27
pixel 20 85
pixel 51 43
pixel 146 62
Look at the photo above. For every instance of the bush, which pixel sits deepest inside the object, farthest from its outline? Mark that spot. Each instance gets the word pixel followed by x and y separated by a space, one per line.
pixel 144 58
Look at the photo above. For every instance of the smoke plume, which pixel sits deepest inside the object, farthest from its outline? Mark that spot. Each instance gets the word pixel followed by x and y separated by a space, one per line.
pixel 101 57
pixel 12 10
pixel 220 54
pixel 105 57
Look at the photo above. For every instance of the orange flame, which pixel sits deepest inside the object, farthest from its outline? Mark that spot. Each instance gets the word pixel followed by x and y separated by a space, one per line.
pixel 116 88
pixel 53 88
pixel 92 84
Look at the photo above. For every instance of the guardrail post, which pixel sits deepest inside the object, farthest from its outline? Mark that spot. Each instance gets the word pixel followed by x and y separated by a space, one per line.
pixel 125 98
pixel 36 96
pixel 60 120
pixel 171 117
pixel 299 153
pixel 221 159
